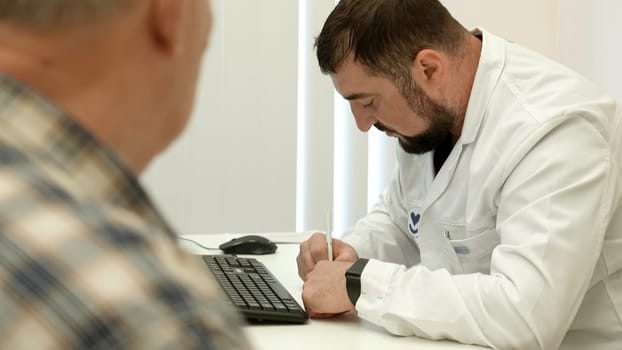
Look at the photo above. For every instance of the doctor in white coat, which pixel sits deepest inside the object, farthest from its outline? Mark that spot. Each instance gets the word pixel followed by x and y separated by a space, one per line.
pixel 502 224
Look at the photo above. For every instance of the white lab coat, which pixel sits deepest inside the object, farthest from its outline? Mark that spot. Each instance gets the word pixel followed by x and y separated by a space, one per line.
pixel 517 242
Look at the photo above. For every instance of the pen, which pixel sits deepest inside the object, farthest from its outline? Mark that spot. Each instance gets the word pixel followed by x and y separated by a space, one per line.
pixel 329 237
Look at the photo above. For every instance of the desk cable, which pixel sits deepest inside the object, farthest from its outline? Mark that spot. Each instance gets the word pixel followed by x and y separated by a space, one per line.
pixel 196 243
pixel 211 248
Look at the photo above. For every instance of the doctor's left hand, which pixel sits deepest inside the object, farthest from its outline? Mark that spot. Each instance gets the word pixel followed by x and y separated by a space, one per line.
pixel 324 290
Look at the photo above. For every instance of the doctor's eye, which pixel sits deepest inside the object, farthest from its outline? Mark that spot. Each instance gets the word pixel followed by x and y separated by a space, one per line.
pixel 368 105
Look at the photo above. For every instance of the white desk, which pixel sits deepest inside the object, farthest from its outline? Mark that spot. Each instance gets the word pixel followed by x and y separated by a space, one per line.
pixel 343 332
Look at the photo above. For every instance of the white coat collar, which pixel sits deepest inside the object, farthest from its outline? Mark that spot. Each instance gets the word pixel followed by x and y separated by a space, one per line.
pixel 491 63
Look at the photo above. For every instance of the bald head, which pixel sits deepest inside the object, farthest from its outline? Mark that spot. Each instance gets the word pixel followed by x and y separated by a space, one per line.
pixel 126 70
pixel 47 13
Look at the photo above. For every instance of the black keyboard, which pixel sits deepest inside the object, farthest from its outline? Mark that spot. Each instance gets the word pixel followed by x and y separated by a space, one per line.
pixel 254 291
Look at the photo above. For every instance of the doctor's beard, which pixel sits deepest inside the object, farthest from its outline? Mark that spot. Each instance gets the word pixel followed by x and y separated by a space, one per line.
pixel 440 121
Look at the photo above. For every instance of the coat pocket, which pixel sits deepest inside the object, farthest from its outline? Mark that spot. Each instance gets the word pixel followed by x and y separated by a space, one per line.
pixel 475 252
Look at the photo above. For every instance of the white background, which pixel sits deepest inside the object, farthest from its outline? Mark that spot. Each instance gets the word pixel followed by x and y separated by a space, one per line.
pixel 235 170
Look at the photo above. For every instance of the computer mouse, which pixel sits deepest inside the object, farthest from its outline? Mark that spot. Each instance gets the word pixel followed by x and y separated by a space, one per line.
pixel 250 244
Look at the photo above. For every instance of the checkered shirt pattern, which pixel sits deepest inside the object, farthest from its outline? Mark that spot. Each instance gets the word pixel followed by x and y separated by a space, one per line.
pixel 86 261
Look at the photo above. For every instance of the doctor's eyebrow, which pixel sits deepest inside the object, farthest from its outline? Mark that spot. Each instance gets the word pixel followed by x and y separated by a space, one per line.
pixel 357 96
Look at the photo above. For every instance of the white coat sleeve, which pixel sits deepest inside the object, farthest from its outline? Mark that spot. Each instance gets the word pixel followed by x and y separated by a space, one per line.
pixel 553 210
pixel 377 236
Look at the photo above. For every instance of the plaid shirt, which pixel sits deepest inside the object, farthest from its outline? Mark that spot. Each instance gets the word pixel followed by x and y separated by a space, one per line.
pixel 86 261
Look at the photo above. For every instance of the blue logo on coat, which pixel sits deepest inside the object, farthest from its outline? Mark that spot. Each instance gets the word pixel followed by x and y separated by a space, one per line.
pixel 413 223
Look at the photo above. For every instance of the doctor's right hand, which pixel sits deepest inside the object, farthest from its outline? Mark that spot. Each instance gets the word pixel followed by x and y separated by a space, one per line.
pixel 315 249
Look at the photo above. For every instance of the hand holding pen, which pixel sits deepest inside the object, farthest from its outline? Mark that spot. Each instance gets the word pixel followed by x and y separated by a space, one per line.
pixel 315 250
pixel 322 263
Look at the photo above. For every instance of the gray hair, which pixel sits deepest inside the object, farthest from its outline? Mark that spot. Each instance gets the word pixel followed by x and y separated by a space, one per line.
pixel 44 13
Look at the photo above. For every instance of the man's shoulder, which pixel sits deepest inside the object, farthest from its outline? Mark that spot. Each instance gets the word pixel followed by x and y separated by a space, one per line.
pixel 94 261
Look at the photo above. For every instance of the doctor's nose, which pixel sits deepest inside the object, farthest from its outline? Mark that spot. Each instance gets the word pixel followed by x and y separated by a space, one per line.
pixel 364 120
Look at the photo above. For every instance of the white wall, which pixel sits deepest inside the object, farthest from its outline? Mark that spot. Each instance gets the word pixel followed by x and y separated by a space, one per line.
pixel 234 170
pixel 589 41
pixel 532 23
pixel 315 163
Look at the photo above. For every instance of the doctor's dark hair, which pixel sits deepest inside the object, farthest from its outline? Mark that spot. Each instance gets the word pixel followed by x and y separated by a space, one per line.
pixel 48 13
pixel 386 35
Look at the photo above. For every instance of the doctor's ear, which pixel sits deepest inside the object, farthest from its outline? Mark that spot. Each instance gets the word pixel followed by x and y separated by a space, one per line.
pixel 428 69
